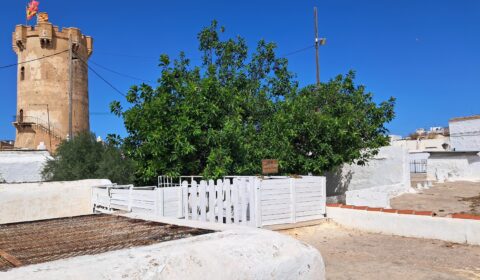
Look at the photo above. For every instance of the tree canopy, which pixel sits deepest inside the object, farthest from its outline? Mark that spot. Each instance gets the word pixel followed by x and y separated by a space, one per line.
pixel 86 158
pixel 236 108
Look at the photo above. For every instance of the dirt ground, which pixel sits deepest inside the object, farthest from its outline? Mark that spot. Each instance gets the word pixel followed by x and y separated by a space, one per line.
pixel 351 254
pixel 443 199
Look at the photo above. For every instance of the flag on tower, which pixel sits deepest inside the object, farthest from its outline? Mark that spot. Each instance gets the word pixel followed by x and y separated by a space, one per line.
pixel 32 9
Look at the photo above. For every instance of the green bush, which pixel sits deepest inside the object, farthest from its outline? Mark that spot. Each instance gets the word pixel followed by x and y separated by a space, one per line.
pixel 86 158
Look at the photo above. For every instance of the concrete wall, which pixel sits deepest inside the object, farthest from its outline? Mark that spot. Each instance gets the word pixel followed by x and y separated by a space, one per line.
pixel 447 229
pixel 423 145
pixel 453 167
pixel 231 253
pixel 385 176
pixel 40 201
pixel 22 166
pixel 465 134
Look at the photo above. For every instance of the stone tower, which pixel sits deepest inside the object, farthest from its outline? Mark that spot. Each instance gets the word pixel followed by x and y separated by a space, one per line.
pixel 43 83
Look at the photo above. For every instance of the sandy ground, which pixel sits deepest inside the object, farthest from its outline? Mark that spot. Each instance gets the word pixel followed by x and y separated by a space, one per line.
pixel 443 199
pixel 351 254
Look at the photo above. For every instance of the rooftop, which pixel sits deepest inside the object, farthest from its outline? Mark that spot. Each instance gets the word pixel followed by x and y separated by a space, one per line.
pixel 43 241
pixel 461 119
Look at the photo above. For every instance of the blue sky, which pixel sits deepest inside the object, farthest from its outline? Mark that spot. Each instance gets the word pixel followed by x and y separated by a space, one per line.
pixel 423 52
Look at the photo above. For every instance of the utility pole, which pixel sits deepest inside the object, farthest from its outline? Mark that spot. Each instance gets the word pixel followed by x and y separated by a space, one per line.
pixel 70 88
pixel 318 42
pixel 316 45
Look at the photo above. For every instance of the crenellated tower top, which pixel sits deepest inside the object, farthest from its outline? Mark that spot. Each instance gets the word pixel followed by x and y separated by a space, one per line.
pixel 47 34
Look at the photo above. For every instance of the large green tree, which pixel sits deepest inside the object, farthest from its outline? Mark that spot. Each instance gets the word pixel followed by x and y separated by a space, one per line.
pixel 234 109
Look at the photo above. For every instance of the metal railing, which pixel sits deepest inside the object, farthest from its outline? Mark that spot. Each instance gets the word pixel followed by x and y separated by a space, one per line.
pixel 418 166
pixel 49 128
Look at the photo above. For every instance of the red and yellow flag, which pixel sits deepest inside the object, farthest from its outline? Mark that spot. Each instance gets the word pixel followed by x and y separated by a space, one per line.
pixel 32 9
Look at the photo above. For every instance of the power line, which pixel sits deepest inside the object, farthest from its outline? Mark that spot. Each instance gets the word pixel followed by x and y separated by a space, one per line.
pixel 151 57
pixel 300 50
pixel 127 55
pixel 144 80
pixel 28 61
pixel 119 73
pixel 102 78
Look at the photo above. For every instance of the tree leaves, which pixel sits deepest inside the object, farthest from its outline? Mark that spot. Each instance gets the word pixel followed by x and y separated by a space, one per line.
pixel 227 114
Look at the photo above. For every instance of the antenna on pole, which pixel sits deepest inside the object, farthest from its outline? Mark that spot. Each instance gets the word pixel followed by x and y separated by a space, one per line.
pixel 318 42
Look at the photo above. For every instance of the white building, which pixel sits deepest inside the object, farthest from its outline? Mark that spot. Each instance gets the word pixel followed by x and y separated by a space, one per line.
pixel 465 133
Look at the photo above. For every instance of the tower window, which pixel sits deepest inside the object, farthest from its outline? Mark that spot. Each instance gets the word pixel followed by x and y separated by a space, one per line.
pixel 22 73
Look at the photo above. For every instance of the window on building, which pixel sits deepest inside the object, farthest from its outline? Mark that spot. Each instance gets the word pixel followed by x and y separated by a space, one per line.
pixel 22 73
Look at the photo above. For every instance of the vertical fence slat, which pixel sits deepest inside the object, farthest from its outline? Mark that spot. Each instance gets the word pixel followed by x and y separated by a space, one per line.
pixel 219 191
pixel 228 202
pixel 211 201
pixel 244 201
pixel 203 204
pixel 236 201
pixel 185 199
pixel 194 199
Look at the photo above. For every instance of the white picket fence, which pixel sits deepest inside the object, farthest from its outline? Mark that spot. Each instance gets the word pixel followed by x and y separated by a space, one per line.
pixel 248 201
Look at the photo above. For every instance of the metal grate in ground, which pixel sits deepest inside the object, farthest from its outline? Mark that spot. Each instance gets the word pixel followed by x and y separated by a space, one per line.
pixel 43 241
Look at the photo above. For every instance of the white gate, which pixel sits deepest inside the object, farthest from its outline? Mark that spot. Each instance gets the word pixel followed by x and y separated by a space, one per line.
pixel 221 202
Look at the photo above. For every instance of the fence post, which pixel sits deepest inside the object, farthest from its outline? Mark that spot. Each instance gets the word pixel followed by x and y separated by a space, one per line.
pixel 293 201
pixel 159 201
pixel 185 199
pixel 244 201
pixel 109 199
pixel 324 198
pixel 228 202
pixel 236 200
pixel 258 206
pixel 219 192
pixel 130 198
pixel 180 202
pixel 251 201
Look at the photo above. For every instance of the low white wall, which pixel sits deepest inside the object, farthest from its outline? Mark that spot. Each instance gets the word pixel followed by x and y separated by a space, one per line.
pixel 453 167
pixel 22 166
pixel 384 176
pixel 233 253
pixel 446 229
pixel 40 201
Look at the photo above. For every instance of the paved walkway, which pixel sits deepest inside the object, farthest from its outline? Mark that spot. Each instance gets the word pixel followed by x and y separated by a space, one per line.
pixel 351 254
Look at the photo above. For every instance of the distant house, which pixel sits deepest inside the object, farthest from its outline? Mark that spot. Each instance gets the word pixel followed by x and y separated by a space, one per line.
pixel 465 133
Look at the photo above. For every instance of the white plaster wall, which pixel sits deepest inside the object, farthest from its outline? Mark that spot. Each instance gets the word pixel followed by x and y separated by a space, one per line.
pixel 453 168
pixel 465 135
pixel 418 156
pixel 386 175
pixel 423 145
pixel 40 201
pixel 441 228
pixel 22 166
pixel 233 253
